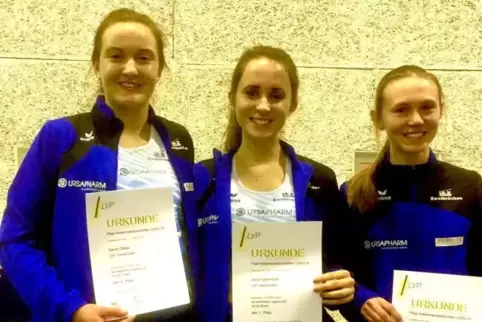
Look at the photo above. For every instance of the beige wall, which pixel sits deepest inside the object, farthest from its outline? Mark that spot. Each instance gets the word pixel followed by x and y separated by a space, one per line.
pixel 341 47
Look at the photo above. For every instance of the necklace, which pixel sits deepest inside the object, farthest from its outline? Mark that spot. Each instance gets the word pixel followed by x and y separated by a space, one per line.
pixel 247 170
pixel 257 178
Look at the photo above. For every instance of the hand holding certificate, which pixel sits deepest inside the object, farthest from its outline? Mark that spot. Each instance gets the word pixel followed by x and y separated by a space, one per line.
pixel 273 266
pixel 429 297
pixel 135 252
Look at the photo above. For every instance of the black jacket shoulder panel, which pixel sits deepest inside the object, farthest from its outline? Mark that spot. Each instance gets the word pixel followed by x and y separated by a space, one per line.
pixel 181 140
pixel 322 175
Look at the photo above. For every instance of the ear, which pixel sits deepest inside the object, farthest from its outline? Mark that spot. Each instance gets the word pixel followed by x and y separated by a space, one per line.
pixel 294 106
pixel 376 122
pixel 442 108
pixel 96 69
pixel 232 100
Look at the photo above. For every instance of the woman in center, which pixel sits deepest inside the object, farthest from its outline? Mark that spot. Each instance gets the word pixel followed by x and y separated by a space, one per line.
pixel 260 178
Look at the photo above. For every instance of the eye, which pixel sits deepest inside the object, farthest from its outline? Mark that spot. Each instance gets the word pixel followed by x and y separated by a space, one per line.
pixel 145 58
pixel 116 56
pixel 401 108
pixel 277 95
pixel 252 92
pixel 428 106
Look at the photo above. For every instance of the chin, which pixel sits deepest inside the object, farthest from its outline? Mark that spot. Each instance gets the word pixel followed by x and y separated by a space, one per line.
pixel 262 136
pixel 417 149
pixel 131 100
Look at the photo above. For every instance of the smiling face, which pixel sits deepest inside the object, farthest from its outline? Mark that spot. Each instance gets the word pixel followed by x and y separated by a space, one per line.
pixel 263 99
pixel 128 65
pixel 410 115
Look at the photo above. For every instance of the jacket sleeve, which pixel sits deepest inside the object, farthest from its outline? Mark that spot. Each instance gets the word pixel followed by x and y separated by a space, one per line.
pixel 205 307
pixel 474 259
pixel 339 241
pixel 29 210
pixel 191 145
pixel 352 257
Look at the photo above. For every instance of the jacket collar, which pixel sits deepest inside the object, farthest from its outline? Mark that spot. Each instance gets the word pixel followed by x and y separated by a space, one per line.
pixel 404 172
pixel 226 159
pixel 108 126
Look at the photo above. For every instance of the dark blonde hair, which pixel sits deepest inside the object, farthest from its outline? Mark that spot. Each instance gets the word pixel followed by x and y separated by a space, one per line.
pixel 233 136
pixel 361 192
pixel 128 15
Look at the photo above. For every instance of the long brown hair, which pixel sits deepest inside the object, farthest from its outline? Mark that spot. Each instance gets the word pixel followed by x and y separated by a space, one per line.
pixel 128 15
pixel 233 136
pixel 361 192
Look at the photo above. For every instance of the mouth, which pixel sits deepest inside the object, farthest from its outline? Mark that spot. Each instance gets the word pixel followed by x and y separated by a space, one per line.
pixel 414 135
pixel 129 85
pixel 260 121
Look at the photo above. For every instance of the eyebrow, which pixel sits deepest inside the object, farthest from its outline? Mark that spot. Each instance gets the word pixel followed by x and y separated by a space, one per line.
pixel 258 86
pixel 427 101
pixel 120 49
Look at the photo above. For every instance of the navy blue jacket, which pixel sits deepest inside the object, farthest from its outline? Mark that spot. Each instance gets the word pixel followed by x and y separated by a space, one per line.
pixel 43 238
pixel 317 198
pixel 419 209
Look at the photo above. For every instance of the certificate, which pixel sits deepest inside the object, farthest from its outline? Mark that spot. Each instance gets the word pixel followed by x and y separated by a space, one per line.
pixel 273 267
pixel 429 297
pixel 134 249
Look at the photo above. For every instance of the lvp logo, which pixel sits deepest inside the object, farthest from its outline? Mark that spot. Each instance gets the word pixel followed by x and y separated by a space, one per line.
pixel 445 194
pixel 87 136
pixel 382 195
pixel 407 284
pixel 245 235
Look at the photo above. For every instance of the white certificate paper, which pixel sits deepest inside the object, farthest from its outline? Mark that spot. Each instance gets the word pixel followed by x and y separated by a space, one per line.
pixel 273 267
pixel 429 297
pixel 135 252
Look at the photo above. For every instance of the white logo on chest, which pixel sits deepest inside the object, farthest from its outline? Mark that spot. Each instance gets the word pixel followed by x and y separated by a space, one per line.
pixel 382 195
pixel 445 195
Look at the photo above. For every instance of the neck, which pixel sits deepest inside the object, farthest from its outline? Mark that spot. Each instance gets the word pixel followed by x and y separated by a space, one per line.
pixel 257 151
pixel 133 118
pixel 398 158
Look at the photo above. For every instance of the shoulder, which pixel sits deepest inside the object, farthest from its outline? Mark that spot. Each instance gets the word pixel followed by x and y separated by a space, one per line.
pixel 203 174
pixel 464 180
pixel 80 121
pixel 63 132
pixel 206 166
pixel 344 188
pixel 321 172
pixel 175 130
pixel 181 140
pixel 453 172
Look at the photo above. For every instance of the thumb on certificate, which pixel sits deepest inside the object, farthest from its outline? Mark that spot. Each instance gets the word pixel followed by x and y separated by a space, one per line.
pixel 115 312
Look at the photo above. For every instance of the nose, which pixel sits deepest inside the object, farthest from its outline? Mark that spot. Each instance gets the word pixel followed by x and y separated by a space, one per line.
pixel 130 67
pixel 263 106
pixel 415 118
